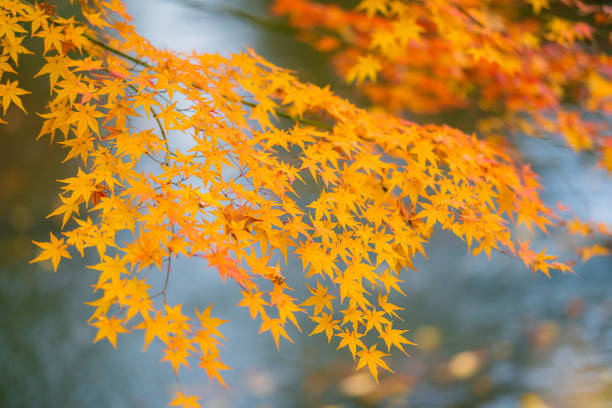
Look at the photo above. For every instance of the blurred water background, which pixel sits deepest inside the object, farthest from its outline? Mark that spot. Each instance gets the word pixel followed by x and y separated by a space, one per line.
pixel 490 333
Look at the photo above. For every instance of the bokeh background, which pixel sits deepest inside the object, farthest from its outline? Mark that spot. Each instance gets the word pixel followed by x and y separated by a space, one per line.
pixel 490 333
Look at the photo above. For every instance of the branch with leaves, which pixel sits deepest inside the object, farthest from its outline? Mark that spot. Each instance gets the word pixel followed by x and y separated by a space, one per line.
pixel 228 191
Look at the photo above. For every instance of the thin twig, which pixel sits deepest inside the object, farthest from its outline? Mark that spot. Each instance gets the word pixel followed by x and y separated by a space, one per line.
pixel 168 266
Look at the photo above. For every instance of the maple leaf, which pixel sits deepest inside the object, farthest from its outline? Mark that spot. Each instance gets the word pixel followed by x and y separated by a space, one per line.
pixel 371 7
pixel 374 319
pixel 177 351
pixel 367 67
pixel 588 252
pixel 158 326
pixel 325 323
pixel 56 67
pixel 12 46
pixel 394 337
pixel 540 263
pixel 69 205
pixel 389 280
pixel 275 326
pixel 184 401
pixel 350 338
pixel 96 19
pixel 320 299
pixel 354 315
pixel 108 328
pixel 53 36
pixel 10 93
pixel 538 5
pixel 227 266
pixel 169 115
pixel 407 29
pixel 55 250
pixel 212 364
pixel 110 268
pixel 254 302
pixel 5 66
pixel 373 359
pixel 210 323
pixel 82 186
pixel 385 41
pixel 285 304
pixel 38 19
pixel 178 319
pixel 146 100
pixel 389 308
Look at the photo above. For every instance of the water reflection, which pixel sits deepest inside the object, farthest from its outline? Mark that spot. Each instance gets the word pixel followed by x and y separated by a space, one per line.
pixel 490 334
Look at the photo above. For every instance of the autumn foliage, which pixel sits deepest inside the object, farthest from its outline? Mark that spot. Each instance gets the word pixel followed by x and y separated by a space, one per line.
pixel 202 156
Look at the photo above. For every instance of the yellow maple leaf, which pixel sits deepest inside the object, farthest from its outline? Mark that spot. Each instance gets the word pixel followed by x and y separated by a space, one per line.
pixel 108 328
pixel 254 302
pixel 55 250
pixel 211 362
pixel 184 401
pixel 373 359
pixel 589 252
pixel 275 326
pixel 325 323
pixel 371 7
pixel 177 352
pixel 350 338
pixel 10 93
pixel 394 337
pixel 367 67
pixel 538 5
pixel 319 299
